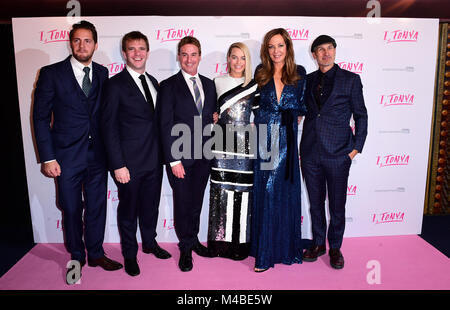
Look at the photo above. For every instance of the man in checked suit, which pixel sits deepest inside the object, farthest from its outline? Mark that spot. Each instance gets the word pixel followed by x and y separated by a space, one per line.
pixel 131 135
pixel 186 98
pixel 72 150
pixel 328 146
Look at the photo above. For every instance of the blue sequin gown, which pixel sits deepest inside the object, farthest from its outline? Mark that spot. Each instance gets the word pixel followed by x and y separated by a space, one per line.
pixel 276 211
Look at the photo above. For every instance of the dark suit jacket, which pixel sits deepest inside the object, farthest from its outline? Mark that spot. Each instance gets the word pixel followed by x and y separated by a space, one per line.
pixel 176 106
pixel 330 127
pixel 129 129
pixel 76 117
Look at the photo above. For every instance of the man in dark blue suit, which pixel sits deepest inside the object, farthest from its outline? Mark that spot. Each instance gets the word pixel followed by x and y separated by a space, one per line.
pixel 185 99
pixel 71 150
pixel 131 135
pixel 328 146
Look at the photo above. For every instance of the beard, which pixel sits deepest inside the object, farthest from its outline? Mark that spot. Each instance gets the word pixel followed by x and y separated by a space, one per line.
pixel 82 58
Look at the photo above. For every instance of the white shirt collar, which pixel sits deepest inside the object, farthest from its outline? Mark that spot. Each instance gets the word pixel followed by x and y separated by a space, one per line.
pixel 187 76
pixel 78 65
pixel 135 75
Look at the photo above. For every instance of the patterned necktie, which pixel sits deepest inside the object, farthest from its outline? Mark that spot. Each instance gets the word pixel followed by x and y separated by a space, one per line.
pixel 148 96
pixel 86 84
pixel 198 98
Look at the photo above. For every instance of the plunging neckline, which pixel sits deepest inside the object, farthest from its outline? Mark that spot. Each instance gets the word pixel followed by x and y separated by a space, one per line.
pixel 276 93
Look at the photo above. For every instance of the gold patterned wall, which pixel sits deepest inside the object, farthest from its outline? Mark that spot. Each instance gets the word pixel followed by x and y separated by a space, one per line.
pixel 438 184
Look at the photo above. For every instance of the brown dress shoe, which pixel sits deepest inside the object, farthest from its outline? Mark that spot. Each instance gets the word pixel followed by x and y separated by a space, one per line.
pixel 105 263
pixel 336 259
pixel 313 252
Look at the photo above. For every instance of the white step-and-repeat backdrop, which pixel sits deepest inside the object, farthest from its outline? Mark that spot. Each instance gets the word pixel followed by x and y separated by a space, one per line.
pixel 395 57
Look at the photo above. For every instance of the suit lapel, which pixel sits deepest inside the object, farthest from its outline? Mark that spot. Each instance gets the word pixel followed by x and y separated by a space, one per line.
pixel 133 86
pixel 311 92
pixel 205 91
pixel 71 84
pixel 154 82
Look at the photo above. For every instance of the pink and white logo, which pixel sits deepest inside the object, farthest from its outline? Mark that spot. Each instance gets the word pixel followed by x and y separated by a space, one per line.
pixel 401 36
pixel 221 68
pixel 351 190
pixel 54 35
pixel 355 67
pixel 112 195
pixel 393 160
pixel 115 68
pixel 168 224
pixel 173 34
pixel 298 34
pixel 59 225
pixel 397 99
pixel 388 217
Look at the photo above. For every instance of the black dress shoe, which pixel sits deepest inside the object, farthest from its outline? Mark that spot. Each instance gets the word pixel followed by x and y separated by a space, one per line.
pixel 105 263
pixel 336 259
pixel 132 267
pixel 157 251
pixel 311 254
pixel 185 262
pixel 201 250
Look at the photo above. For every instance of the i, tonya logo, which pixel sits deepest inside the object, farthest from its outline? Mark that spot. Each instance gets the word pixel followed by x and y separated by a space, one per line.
pixel 172 34
pixel 54 35
pixel 115 68
pixel 397 99
pixel 355 67
pixel 393 160
pixel 351 190
pixel 221 68
pixel 388 217
pixel 298 34
pixel 401 36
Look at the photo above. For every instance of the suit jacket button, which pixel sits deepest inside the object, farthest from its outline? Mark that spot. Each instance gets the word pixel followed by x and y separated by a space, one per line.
pixel 318 115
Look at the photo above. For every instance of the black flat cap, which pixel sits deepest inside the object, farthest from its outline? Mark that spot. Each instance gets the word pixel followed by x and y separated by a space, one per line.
pixel 321 40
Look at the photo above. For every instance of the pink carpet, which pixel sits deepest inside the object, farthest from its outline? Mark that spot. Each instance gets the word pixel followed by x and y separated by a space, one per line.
pixel 404 262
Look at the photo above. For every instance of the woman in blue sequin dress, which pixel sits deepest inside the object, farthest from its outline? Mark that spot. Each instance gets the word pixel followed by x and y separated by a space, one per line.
pixel 276 212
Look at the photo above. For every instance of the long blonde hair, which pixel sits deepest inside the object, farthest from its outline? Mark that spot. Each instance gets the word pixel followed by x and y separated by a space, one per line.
pixel 248 62
pixel 267 70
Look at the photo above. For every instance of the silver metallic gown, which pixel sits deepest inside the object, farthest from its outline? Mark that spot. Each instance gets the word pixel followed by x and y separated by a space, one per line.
pixel 232 171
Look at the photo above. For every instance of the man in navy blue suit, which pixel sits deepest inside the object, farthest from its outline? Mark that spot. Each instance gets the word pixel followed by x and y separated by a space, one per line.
pixel 328 146
pixel 131 135
pixel 71 149
pixel 185 99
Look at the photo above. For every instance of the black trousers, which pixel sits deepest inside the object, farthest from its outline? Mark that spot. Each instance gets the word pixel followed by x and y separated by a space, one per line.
pixel 188 200
pixel 138 201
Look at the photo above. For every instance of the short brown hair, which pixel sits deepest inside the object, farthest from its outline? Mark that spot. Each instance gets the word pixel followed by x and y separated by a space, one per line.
pixel 132 36
pixel 189 40
pixel 84 24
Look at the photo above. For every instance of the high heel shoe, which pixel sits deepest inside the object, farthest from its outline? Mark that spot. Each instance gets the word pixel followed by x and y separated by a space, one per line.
pixel 260 270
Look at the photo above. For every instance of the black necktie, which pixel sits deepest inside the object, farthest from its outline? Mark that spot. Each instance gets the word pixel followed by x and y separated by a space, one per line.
pixel 148 96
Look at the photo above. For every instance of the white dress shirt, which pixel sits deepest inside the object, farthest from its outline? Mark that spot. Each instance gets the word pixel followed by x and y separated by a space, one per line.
pixel 78 70
pixel 190 84
pixel 135 75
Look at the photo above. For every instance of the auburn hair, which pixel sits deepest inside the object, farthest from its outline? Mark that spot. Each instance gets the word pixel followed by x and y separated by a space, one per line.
pixel 266 70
